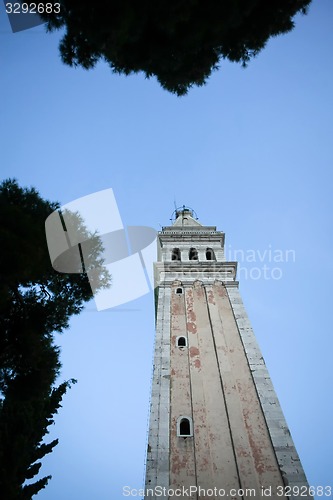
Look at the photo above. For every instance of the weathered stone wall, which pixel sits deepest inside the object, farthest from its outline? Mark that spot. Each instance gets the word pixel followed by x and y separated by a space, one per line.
pixel 287 457
pixel 157 465
pixel 182 456
pixel 219 380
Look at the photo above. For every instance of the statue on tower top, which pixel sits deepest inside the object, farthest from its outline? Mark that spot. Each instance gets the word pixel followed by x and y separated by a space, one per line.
pixel 183 211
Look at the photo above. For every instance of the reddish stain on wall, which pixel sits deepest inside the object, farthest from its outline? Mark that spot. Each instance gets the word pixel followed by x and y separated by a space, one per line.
pixel 197 363
pixel 191 327
pixel 194 351
pixel 211 297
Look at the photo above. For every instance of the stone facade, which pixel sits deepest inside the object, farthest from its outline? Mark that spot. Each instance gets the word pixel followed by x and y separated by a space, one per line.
pixel 213 381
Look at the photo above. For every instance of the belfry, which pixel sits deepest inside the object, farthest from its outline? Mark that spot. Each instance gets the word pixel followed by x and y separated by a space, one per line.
pixel 215 421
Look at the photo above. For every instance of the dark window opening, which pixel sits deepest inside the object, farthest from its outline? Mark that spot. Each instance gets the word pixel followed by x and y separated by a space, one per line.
pixel 179 290
pixel 175 255
pixel 210 254
pixel 184 427
pixel 181 342
pixel 193 254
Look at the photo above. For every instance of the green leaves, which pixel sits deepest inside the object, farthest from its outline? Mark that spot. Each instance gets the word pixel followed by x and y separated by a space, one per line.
pixel 180 42
pixel 35 301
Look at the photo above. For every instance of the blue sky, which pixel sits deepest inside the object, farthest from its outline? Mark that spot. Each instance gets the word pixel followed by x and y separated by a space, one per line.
pixel 251 152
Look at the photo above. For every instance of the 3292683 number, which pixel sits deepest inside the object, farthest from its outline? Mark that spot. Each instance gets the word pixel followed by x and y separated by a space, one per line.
pixel 304 491
pixel 32 8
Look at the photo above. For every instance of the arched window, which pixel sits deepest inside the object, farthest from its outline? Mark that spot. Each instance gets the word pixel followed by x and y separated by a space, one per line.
pixel 181 342
pixel 179 291
pixel 210 255
pixel 184 427
pixel 175 254
pixel 193 254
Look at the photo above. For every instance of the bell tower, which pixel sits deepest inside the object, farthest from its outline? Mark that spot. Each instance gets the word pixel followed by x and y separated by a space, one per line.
pixel 215 422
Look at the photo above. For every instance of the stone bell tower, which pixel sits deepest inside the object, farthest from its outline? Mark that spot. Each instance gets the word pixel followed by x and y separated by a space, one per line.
pixel 215 421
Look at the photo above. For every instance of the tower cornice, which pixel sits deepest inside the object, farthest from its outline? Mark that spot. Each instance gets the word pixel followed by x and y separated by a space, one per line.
pixel 186 229
pixel 206 234
pixel 207 272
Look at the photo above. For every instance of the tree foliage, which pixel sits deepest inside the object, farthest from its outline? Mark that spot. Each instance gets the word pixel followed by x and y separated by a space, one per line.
pixel 35 302
pixel 180 42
